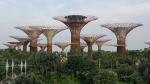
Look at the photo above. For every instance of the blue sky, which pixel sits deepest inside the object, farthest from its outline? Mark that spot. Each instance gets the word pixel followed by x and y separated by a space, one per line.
pixel 40 12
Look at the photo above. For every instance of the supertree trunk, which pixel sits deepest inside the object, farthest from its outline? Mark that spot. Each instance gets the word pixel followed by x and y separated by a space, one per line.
pixel 33 45
pixel 49 45
pixel 121 50
pixel 82 46
pixel 75 48
pixel 99 48
pixel 90 53
pixel 62 52
pixel 25 47
pixel 82 51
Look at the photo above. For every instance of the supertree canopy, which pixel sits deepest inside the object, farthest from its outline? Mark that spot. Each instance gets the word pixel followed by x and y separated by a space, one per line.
pixel 62 45
pixel 12 46
pixel 100 43
pixel 18 44
pixel 23 40
pixel 49 33
pixel 33 33
pixel 121 30
pixel 42 46
pixel 90 40
pixel 75 24
pixel 148 43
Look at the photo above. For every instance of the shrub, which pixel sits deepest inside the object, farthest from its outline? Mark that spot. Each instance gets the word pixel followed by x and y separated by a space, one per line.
pixel 123 71
pixel 105 77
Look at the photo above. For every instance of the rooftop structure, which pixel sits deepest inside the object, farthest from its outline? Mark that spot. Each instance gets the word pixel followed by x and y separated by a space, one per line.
pixel 90 40
pixel 23 40
pixel 75 24
pixel 33 33
pixel 100 43
pixel 121 30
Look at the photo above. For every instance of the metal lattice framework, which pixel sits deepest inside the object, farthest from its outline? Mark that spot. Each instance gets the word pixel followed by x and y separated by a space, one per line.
pixel 121 30
pixel 33 33
pixel 18 44
pixel 62 45
pixel 23 40
pixel 100 43
pixel 12 46
pixel 42 46
pixel 75 24
pixel 49 33
pixel 90 40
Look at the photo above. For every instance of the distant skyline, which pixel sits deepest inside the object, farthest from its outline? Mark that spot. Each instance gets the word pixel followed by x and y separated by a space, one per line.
pixel 41 12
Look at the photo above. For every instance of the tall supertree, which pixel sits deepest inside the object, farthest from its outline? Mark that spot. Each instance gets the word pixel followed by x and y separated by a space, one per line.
pixel 18 44
pixel 82 46
pixel 49 33
pixel 75 24
pixel 12 46
pixel 100 43
pixel 42 46
pixel 62 45
pixel 33 33
pixel 23 40
pixel 90 40
pixel 121 30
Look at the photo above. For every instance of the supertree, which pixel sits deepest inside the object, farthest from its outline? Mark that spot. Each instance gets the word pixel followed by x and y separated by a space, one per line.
pixel 100 43
pixel 33 33
pixel 90 40
pixel 12 46
pixel 23 40
pixel 49 33
pixel 121 30
pixel 75 24
pixel 148 43
pixel 18 44
pixel 42 46
pixel 82 46
pixel 62 45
